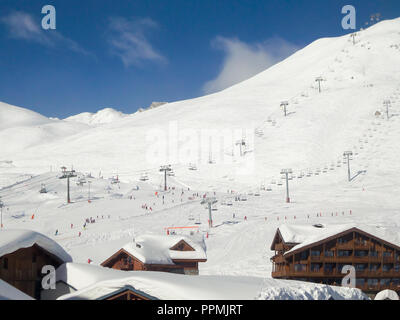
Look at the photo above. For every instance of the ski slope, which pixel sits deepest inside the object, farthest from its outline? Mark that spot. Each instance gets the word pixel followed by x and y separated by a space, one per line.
pixel 311 140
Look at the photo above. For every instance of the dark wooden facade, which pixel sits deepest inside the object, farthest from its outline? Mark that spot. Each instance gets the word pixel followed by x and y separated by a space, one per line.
pixel 376 261
pixel 127 294
pixel 123 260
pixel 22 268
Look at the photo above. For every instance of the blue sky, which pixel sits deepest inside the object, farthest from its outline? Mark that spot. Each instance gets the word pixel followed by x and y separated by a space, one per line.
pixel 125 54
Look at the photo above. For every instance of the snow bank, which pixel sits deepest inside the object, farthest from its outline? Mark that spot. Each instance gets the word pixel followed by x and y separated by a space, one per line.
pixel 8 292
pixel 387 295
pixel 13 240
pixel 299 290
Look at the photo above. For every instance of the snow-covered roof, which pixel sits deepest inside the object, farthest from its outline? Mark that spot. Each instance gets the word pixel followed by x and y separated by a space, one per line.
pixel 8 292
pixel 305 235
pixel 94 282
pixel 156 249
pixel 13 240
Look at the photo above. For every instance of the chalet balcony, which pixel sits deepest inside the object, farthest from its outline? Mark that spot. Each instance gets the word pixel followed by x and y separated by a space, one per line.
pixel 378 287
pixel 345 246
pixel 126 266
pixel 279 259
pixel 377 273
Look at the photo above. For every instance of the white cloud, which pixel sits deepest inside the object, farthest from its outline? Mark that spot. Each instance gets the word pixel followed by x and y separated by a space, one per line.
pixel 242 60
pixel 22 25
pixel 129 42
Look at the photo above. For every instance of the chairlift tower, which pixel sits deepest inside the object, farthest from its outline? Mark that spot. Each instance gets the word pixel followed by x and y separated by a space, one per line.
pixel 89 183
pixel 319 80
pixel 286 172
pixel 387 104
pixel 209 201
pixel 347 155
pixel 353 35
pixel 165 169
pixel 284 104
pixel 241 143
pixel 68 175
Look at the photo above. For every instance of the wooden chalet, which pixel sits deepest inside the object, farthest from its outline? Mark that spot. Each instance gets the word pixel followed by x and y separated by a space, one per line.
pixel 22 257
pixel 176 254
pixel 318 254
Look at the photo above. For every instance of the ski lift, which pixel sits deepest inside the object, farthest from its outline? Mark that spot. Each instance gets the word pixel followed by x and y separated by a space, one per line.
pixel 81 181
pixel 171 173
pixel 43 189
pixel 114 180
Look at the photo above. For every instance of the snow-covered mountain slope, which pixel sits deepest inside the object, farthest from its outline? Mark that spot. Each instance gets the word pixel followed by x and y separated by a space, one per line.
pixel 106 115
pixel 11 116
pixel 21 128
pixel 318 128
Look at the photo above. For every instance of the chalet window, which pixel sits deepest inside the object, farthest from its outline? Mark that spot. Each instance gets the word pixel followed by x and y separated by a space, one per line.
pixel 5 263
pixel 361 253
pixel 372 282
pixel 373 267
pixel 360 267
pixel 300 267
pixel 344 253
pixel 373 253
pixel 304 255
pixel 387 254
pixel 315 267
pixel 386 267
pixel 360 282
pixel 341 240
pixel 329 267
pixel 329 253
pixel 397 267
pixel 340 267
pixel 396 281
pixel 385 282
pixel 315 253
